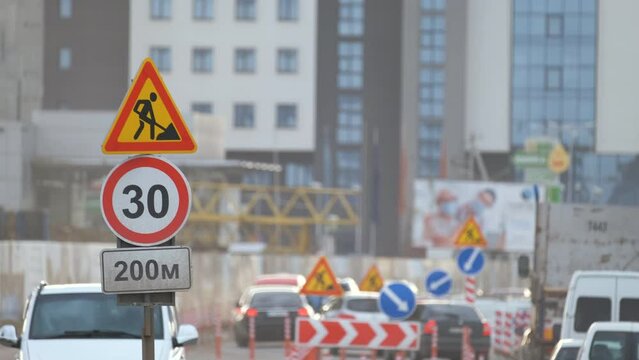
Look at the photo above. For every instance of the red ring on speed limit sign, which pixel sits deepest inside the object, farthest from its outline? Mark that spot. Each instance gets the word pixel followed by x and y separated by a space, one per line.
pixel 168 231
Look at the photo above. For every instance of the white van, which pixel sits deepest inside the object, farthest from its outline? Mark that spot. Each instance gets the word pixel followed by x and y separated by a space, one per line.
pixel 599 296
pixel 610 340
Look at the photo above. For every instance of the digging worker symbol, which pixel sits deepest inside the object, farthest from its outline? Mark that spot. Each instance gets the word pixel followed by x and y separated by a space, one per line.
pixel 144 109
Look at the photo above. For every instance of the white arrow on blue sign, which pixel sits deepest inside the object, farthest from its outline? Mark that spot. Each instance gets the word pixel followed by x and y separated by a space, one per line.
pixel 439 283
pixel 397 300
pixel 470 261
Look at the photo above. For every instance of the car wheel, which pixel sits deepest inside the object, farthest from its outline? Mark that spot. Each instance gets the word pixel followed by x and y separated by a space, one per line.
pixel 241 342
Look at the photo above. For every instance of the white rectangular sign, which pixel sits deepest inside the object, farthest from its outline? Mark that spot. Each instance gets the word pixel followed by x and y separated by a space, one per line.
pixel 145 270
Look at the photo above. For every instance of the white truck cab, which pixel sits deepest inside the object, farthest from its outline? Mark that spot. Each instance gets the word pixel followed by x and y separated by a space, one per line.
pixel 599 296
pixel 610 340
pixel 78 321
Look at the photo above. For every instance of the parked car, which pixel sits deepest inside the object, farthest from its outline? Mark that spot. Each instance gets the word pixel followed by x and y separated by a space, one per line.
pixel 269 305
pixel 610 341
pixel 348 284
pixel 566 349
pixel 285 279
pixel 80 322
pixel 360 306
pixel 449 317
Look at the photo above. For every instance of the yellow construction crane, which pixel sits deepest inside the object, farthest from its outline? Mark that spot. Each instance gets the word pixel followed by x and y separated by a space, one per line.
pixel 286 218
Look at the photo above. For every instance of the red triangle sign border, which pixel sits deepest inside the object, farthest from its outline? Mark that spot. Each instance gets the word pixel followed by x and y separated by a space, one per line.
pixel 111 145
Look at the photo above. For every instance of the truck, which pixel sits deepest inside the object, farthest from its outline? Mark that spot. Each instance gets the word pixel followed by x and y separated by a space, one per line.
pixel 571 238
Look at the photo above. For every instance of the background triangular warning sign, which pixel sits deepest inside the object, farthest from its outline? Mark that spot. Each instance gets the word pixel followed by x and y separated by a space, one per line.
pixel 372 281
pixel 148 121
pixel 321 281
pixel 469 234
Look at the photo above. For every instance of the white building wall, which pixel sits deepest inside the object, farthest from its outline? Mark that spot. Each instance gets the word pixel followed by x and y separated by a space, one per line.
pixel 618 77
pixel 223 87
pixel 488 75
pixel 13 179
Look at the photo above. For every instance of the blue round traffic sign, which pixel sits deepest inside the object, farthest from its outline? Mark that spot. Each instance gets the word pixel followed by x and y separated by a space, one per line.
pixel 439 283
pixel 470 260
pixel 397 300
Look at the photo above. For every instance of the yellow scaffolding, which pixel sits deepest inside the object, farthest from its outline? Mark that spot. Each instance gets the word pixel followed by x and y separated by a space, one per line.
pixel 284 217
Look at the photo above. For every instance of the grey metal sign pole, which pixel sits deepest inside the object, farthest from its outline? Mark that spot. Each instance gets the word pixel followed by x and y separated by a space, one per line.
pixel 148 334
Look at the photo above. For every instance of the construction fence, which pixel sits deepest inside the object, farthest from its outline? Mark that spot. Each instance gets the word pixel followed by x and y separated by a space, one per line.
pixel 218 278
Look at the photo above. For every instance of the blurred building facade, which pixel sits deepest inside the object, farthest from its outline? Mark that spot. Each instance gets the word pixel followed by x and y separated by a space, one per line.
pixel 86 47
pixel 252 63
pixel 355 94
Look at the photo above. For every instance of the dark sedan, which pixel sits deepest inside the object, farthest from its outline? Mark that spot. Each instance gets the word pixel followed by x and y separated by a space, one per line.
pixel 269 305
pixel 450 318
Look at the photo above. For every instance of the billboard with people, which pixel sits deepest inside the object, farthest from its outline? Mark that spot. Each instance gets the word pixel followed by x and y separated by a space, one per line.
pixel 505 213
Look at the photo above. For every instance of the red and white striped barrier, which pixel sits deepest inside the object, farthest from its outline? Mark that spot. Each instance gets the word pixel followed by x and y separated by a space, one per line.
pixel 357 334
pixel 470 287
pixel 251 326
pixel 434 343
pixel 508 333
pixel 498 331
pixel 217 320
pixel 522 321
pixel 468 353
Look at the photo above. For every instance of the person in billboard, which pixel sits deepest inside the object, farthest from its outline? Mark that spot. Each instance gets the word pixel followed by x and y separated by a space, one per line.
pixel 439 227
pixel 485 199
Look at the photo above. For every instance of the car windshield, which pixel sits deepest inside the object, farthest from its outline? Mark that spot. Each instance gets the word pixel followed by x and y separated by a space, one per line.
pixel 263 300
pixel 88 315
pixel 567 354
pixel 610 345
pixel 363 305
pixel 445 312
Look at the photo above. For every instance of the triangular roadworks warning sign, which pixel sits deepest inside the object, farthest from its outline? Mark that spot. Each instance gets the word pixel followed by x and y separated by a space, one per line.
pixel 148 121
pixel 469 234
pixel 372 281
pixel 321 281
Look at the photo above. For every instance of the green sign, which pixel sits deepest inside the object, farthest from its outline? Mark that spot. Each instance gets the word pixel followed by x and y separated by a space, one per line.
pixel 527 160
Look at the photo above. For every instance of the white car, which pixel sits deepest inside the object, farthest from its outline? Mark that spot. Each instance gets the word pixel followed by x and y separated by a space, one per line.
pixel 361 306
pixel 610 341
pixel 566 349
pixel 80 322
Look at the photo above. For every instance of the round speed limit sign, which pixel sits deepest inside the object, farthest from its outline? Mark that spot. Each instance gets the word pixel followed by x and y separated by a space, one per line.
pixel 145 200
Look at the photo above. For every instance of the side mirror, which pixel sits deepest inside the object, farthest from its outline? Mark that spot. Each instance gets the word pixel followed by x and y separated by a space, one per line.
pixel 523 266
pixel 187 335
pixel 9 337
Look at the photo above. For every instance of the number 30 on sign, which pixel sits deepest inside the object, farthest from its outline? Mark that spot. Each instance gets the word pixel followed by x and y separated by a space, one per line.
pixel 145 200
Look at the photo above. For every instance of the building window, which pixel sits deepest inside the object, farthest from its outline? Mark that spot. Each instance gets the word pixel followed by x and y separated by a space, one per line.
pixel 433 5
pixel 162 58
pixel 298 174
pixel 244 116
pixel 287 61
pixel 349 120
pixel 433 39
pixel 245 60
pixel 202 107
pixel 351 17
pixel 348 168
pixel 202 60
pixel 554 78
pixel 160 9
pixel 286 116
pixel 245 10
pixel 66 9
pixel 203 9
pixel 288 10
pixel 64 61
pixel 351 65
pixel 554 25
